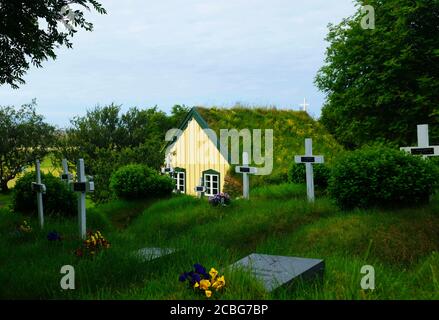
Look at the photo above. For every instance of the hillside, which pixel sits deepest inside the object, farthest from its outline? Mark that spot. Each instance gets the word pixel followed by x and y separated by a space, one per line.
pixel 290 130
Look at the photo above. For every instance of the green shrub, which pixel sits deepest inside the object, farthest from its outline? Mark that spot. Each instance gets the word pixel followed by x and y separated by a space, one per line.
pixel 137 181
pixel 297 174
pixel 58 200
pixel 380 176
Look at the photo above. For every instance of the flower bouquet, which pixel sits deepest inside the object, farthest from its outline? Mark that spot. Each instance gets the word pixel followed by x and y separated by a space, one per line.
pixel 220 199
pixel 24 228
pixel 94 243
pixel 202 281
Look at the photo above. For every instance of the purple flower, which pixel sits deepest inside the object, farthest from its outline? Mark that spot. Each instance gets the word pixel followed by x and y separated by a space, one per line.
pixel 53 236
pixel 183 277
pixel 199 268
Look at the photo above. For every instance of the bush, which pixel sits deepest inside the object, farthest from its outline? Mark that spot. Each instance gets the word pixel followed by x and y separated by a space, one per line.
pixel 58 200
pixel 380 176
pixel 297 174
pixel 137 181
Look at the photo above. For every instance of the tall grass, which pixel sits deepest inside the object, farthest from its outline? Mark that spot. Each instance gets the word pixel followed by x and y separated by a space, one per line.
pixel 402 246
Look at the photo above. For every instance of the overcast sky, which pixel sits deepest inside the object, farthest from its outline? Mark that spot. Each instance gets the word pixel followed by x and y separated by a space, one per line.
pixel 192 52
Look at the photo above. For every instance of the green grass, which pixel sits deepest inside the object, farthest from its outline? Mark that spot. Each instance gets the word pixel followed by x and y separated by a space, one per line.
pixel 401 244
pixel 290 128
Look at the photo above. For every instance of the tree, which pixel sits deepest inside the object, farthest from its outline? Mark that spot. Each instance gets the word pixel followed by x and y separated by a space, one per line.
pixel 380 83
pixel 107 139
pixel 30 30
pixel 25 137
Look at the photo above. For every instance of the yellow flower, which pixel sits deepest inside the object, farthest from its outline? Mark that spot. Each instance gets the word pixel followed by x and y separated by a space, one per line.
pixel 208 293
pixel 219 283
pixel 213 273
pixel 204 284
pixel 196 285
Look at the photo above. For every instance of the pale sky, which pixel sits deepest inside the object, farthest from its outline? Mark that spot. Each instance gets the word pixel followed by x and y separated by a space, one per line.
pixel 192 52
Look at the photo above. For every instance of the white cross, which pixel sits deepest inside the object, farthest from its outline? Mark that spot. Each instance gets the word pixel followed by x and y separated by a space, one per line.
pixel 245 170
pixel 309 159
pixel 39 188
pixel 423 147
pixel 200 189
pixel 65 176
pixel 82 186
pixel 304 105
pixel 168 168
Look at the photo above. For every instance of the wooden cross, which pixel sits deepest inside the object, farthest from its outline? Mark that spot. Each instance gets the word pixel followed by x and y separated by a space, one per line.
pixel 308 159
pixel 304 105
pixel 423 147
pixel 39 188
pixel 245 170
pixel 82 186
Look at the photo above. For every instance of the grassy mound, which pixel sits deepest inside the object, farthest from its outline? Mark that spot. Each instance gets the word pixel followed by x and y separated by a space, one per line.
pixel 290 130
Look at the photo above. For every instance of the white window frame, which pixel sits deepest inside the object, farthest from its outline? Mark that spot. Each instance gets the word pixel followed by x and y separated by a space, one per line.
pixel 177 177
pixel 208 183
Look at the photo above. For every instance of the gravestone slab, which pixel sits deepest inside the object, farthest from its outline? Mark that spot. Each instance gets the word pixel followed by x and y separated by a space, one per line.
pixel 277 271
pixel 149 254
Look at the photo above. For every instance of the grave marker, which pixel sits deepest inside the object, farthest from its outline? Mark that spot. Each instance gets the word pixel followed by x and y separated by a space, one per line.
pixel 83 187
pixel 423 147
pixel 200 189
pixel 278 271
pixel 168 168
pixel 39 188
pixel 308 159
pixel 245 170
pixel 66 176
pixel 304 105
pixel 149 254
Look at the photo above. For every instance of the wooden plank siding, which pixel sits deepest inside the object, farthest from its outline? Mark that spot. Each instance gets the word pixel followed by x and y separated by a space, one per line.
pixel 195 152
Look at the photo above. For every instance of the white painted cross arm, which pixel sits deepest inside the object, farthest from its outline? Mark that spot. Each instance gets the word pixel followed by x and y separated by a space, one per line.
pixel 423 148
pixel 422 151
pixel 39 187
pixel 245 169
pixel 309 159
pixel 167 170
pixel 200 189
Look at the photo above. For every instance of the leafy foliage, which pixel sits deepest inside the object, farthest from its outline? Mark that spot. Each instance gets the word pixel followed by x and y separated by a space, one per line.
pixel 24 39
pixel 58 200
pixel 380 176
pixel 107 139
pixel 382 82
pixel 137 181
pixel 25 138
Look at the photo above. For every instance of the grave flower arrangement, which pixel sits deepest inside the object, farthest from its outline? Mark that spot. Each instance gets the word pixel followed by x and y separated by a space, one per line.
pixel 24 228
pixel 94 243
pixel 220 199
pixel 201 281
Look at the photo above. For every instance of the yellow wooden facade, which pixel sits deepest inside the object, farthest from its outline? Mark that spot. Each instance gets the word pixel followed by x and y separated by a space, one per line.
pixel 195 153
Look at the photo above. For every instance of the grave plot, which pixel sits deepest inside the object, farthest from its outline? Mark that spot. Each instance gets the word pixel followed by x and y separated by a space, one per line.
pixel 149 254
pixel 278 271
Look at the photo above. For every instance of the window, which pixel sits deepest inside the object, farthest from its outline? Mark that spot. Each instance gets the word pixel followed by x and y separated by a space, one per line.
pixel 212 182
pixel 180 180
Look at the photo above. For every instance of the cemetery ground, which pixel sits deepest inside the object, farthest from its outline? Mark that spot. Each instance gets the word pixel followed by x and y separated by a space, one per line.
pixel 401 244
